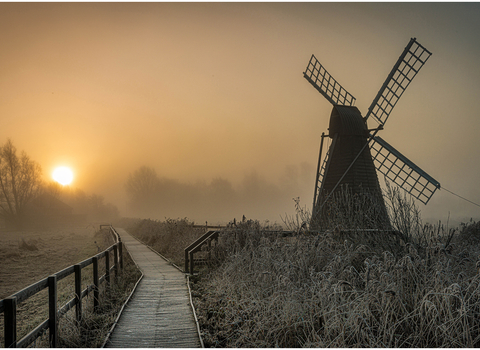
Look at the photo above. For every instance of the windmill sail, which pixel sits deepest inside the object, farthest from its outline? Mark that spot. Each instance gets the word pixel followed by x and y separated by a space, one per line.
pixel 409 63
pixel 403 172
pixel 317 75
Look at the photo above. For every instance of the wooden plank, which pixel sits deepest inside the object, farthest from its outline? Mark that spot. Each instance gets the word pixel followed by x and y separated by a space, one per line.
pixel 64 273
pixel 34 334
pixel 32 289
pixel 159 313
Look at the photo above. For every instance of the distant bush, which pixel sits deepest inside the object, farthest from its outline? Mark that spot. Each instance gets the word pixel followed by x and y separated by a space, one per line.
pixel 30 246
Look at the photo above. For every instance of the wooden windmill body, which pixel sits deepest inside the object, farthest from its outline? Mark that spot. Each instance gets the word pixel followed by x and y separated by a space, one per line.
pixel 346 184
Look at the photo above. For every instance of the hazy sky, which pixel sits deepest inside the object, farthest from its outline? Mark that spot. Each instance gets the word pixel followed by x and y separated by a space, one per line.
pixel 205 90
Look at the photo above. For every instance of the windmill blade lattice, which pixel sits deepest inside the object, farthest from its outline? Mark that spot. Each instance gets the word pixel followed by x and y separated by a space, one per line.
pixel 318 76
pixel 408 65
pixel 403 172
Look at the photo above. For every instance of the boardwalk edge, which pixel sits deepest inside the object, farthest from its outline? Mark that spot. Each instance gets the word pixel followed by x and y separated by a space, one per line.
pixel 194 313
pixel 107 338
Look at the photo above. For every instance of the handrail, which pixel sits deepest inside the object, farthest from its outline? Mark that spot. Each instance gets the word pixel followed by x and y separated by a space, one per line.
pixel 196 246
pixel 9 305
pixel 204 239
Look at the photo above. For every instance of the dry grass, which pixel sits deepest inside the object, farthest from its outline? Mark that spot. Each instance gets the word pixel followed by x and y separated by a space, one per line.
pixel 55 250
pixel 415 287
pixel 321 292
pixel 29 256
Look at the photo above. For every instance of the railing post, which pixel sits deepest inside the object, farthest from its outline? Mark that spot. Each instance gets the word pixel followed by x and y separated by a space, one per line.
pixel 96 283
pixel 115 260
pixel 120 252
pixel 78 292
pixel 191 262
pixel 52 311
pixel 209 247
pixel 10 322
pixel 186 261
pixel 107 266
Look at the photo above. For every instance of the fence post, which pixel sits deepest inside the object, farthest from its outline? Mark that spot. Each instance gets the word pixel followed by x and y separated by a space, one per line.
pixel 78 292
pixel 115 260
pixel 52 311
pixel 107 266
pixel 191 262
pixel 186 261
pixel 120 252
pixel 10 322
pixel 96 284
pixel 209 247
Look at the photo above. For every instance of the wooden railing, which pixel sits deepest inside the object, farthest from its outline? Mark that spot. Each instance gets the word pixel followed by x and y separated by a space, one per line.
pixel 196 246
pixel 9 305
pixel 207 239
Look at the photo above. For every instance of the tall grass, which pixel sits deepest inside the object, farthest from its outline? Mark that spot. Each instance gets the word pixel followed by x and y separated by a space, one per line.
pixel 416 285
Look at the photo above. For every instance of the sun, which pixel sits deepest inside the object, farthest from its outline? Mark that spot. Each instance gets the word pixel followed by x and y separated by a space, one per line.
pixel 63 175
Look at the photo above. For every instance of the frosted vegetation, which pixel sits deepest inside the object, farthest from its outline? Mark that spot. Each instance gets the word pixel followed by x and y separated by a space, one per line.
pixel 415 287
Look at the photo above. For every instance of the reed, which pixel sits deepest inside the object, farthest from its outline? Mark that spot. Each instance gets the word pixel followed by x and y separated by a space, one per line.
pixel 417 286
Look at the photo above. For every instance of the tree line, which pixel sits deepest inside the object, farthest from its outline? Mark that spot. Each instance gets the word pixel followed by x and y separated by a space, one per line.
pixel 150 195
pixel 21 182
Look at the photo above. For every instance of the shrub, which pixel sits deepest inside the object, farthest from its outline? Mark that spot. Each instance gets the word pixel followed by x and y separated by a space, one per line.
pixel 30 246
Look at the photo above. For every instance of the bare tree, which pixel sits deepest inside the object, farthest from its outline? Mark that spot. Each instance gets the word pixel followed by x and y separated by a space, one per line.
pixel 142 187
pixel 20 182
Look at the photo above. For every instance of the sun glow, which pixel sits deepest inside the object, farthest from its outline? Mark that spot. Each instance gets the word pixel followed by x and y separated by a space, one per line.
pixel 63 175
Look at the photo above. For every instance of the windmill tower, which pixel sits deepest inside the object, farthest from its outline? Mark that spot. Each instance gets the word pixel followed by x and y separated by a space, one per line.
pixel 346 183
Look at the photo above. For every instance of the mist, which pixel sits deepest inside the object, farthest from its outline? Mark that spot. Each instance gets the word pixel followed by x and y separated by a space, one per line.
pixel 211 96
pixel 219 200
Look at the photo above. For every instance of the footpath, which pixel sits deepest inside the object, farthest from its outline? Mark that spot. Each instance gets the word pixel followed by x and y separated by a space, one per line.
pixel 159 313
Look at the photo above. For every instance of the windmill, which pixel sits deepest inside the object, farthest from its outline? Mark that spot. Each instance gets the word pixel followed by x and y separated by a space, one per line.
pixel 356 153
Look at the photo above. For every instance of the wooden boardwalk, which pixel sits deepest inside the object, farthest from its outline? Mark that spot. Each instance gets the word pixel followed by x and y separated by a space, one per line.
pixel 159 313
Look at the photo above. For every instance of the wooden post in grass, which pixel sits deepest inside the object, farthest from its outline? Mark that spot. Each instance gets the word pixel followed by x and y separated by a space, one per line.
pixel 115 260
pixel 120 252
pixel 52 311
pixel 186 261
pixel 209 247
pixel 95 283
pixel 107 266
pixel 10 322
pixel 191 263
pixel 78 292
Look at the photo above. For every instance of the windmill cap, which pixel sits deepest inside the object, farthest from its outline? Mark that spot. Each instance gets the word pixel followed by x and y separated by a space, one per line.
pixel 347 121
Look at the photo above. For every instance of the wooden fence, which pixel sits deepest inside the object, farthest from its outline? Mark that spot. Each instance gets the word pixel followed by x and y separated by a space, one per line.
pixel 9 305
pixel 206 240
pixel 196 246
